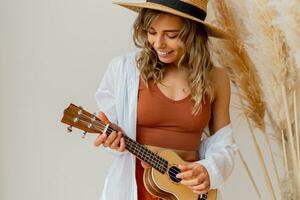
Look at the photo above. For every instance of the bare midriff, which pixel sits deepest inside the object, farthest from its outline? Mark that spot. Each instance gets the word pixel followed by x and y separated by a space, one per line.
pixel 188 156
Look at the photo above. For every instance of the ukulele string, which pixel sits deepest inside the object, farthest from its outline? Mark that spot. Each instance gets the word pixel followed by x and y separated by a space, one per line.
pixel 100 125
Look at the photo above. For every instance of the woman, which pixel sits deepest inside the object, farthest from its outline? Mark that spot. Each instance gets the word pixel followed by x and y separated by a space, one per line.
pixel 164 96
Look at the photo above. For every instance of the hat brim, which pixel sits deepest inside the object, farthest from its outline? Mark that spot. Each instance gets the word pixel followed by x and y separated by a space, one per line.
pixel 211 29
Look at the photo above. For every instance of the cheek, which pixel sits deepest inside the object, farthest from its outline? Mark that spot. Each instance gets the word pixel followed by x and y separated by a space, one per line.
pixel 150 39
pixel 179 46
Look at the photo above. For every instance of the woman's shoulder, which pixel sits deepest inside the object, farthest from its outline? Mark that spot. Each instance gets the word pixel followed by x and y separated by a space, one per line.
pixel 217 73
pixel 220 80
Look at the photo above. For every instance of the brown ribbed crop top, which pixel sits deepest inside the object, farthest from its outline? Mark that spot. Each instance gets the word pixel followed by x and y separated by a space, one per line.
pixel 166 123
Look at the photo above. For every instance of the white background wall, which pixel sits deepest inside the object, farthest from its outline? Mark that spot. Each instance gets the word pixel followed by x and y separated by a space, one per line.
pixel 53 53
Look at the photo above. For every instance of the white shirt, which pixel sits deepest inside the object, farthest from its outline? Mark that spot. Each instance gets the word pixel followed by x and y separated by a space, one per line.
pixel 117 98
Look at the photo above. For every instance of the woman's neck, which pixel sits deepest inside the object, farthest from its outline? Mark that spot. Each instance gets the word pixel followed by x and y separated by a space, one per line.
pixel 173 72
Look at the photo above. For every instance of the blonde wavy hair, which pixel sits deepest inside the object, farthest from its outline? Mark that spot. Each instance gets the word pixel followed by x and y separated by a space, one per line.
pixel 196 56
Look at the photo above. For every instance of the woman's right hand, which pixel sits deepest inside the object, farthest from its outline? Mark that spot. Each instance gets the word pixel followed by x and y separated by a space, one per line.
pixel 115 140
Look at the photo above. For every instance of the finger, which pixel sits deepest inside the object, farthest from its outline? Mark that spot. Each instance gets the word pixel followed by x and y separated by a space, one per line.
pixel 191 182
pixel 145 165
pixel 114 126
pixel 184 167
pixel 122 145
pixel 200 192
pixel 100 139
pixel 201 187
pixel 116 143
pixel 188 174
pixel 103 117
pixel 111 138
pixel 195 180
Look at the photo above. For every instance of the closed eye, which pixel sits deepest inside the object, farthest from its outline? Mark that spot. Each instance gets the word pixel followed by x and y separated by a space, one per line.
pixel 172 36
pixel 151 32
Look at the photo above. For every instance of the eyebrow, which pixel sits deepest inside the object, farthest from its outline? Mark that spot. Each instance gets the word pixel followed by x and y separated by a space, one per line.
pixel 172 30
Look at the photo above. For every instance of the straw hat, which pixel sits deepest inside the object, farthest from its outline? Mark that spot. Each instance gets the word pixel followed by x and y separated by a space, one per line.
pixel 191 9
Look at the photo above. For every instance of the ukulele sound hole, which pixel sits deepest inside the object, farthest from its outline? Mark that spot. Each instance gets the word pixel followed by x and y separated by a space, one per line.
pixel 173 171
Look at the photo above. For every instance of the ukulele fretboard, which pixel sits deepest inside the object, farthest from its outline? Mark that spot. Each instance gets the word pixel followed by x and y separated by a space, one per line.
pixel 143 153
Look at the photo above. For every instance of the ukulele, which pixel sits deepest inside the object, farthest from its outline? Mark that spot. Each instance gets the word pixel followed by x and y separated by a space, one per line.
pixel 159 179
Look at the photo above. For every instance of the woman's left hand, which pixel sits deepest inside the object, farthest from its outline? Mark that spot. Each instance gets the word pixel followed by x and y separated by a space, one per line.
pixel 195 177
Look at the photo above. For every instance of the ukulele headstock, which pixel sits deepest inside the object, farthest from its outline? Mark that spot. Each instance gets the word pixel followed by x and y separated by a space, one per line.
pixel 77 117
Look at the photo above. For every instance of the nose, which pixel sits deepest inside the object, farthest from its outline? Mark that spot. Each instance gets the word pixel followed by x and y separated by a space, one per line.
pixel 159 42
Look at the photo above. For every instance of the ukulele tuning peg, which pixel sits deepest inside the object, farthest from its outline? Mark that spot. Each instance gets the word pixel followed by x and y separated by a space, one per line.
pixel 95 116
pixel 76 120
pixel 84 134
pixel 69 129
pixel 80 110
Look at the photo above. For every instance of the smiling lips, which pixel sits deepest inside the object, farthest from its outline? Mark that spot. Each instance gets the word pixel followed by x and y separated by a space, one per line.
pixel 163 53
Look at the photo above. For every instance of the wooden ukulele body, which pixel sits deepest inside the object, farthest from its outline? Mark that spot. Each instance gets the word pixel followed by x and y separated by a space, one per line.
pixel 163 186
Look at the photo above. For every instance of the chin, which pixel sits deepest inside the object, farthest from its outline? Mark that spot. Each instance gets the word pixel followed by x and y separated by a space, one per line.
pixel 167 61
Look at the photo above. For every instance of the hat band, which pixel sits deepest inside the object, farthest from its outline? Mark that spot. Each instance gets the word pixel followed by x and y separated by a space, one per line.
pixel 182 7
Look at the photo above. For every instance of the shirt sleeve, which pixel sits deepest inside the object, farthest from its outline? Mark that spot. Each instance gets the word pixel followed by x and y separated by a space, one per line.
pixel 217 155
pixel 106 95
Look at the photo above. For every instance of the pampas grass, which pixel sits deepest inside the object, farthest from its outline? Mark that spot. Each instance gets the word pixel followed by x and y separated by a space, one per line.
pixel 232 55
pixel 262 57
pixel 269 52
pixel 296 126
pixel 250 175
pixel 288 21
pixel 295 162
pixel 275 63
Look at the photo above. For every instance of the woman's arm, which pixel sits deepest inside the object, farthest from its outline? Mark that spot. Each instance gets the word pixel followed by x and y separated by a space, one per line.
pixel 217 151
pixel 220 108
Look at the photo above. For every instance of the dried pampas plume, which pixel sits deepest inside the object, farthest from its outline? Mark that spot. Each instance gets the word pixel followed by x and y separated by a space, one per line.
pixel 269 52
pixel 232 55
pixel 265 47
pixel 288 21
pixel 269 48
